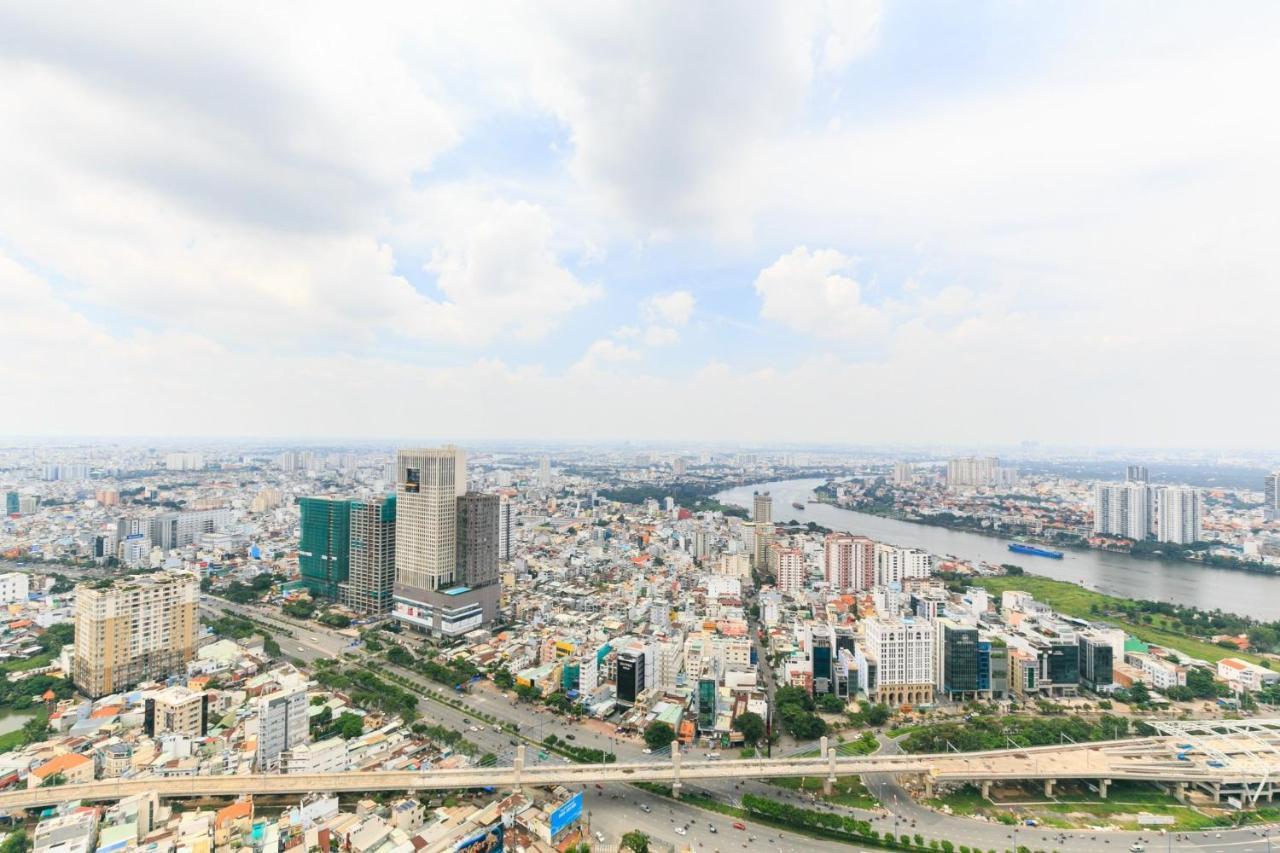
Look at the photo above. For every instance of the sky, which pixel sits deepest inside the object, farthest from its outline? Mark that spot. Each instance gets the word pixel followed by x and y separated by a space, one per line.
pixel 910 223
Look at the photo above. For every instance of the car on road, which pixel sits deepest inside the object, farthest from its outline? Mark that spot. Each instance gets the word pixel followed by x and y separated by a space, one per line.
pixel 570 737
pixel 644 807
pixel 1136 847
pixel 600 836
pixel 680 830
pixel 712 828
pixel 739 825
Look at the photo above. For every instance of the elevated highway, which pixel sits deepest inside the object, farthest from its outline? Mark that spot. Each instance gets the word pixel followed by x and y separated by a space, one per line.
pixel 1232 759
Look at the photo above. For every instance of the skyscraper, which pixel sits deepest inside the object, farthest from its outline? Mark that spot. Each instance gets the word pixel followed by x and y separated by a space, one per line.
pixel 426 518
pixel 282 721
pixel 790 566
pixel 1122 509
pixel 372 568
pixel 849 562
pixel 133 629
pixel 762 515
pixel 324 545
pixel 478 535
pixel 1179 515
pixel 506 529
pixel 1271 494
pixel 1136 474
pixel 544 472
pixel 428 594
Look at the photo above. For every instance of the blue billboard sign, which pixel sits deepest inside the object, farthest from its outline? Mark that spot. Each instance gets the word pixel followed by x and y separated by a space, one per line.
pixel 489 840
pixel 568 813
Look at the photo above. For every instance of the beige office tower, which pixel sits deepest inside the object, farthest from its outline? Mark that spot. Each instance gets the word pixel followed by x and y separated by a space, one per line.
pixel 762 515
pixel 134 629
pixel 427 517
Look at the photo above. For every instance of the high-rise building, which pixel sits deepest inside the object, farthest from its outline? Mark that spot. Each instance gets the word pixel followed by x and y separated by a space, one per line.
pixel 11 504
pixel 678 466
pixel 849 562
pixel 506 529
pixel 973 471
pixel 428 594
pixel 176 710
pixel 1179 514
pixel 895 565
pixel 1096 661
pixel 1136 474
pixel 371 569
pixel 426 518
pixel 904 474
pixel 324 545
pixel 282 721
pixel 630 683
pixel 170 530
pixel 132 629
pixel 762 516
pixel 789 565
pixel 14 587
pixel 544 472
pixel 185 461
pixel 1271 494
pixel 1122 509
pixel 479 532
pixel 902 653
pixel 956 660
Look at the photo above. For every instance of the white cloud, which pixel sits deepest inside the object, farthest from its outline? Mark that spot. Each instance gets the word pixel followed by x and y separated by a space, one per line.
pixel 809 292
pixel 661 336
pixel 604 352
pixel 674 308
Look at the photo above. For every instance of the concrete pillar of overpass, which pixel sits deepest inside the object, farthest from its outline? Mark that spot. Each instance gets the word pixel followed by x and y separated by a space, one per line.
pixel 986 790
pixel 830 781
pixel 1217 792
pixel 1103 785
pixel 675 769
pixel 517 766
pixel 926 782
pixel 1180 792
pixel 1048 787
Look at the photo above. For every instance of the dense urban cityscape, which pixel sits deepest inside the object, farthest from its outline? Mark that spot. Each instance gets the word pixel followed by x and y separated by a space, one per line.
pixel 360 613
pixel 668 427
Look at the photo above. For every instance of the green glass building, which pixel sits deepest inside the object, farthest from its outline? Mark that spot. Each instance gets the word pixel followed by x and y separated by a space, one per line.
pixel 324 546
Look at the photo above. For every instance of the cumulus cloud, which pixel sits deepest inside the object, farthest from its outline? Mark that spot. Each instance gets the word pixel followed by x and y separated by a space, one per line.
pixel 674 308
pixel 812 293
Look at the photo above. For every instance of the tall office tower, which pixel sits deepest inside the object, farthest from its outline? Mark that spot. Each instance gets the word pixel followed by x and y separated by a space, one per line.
pixel 372 567
pixel 789 564
pixel 1136 474
pixel 427 595
pixel 133 629
pixel 478 534
pixel 426 518
pixel 1271 495
pixel 678 466
pixel 11 503
pixel 849 562
pixel 324 546
pixel 762 515
pixel 698 544
pixel 1122 509
pixel 901 651
pixel 282 721
pixel 973 471
pixel 1179 515
pixel 904 473
pixel 506 529
pixel 544 472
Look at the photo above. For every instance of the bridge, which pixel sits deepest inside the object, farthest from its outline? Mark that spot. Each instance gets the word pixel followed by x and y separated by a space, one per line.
pixel 1230 758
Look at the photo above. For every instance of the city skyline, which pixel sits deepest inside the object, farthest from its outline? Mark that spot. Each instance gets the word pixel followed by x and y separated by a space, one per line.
pixel 551 217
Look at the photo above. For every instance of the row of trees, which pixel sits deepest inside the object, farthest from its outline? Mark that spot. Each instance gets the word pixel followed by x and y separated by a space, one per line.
pixel 988 732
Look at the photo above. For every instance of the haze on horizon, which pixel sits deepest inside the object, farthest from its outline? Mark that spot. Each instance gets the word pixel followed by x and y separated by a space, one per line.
pixel 804 222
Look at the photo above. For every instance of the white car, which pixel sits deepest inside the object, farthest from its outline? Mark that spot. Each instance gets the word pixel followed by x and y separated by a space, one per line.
pixel 600 836
pixel 680 830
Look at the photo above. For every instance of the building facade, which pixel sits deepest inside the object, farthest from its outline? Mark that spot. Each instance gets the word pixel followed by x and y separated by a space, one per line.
pixel 129 630
pixel 372 562
pixel 324 545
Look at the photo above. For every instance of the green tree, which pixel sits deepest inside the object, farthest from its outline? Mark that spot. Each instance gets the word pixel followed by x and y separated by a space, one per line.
pixel 658 734
pixel 751 725
pixel 636 841
pixel 16 842
pixel 830 703
pixel 349 725
pixel 878 714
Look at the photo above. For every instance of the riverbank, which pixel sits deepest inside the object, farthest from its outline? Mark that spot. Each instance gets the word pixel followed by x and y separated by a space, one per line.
pixel 1247 593
pixel 1073 600
pixel 932 521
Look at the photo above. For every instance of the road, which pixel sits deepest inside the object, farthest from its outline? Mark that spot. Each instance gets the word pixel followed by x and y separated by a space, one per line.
pixel 311 642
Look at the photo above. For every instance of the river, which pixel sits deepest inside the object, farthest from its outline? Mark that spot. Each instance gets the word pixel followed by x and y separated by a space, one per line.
pixel 1115 574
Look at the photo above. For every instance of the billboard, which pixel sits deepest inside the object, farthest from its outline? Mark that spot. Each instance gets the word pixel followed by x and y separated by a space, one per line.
pixel 488 840
pixel 568 813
